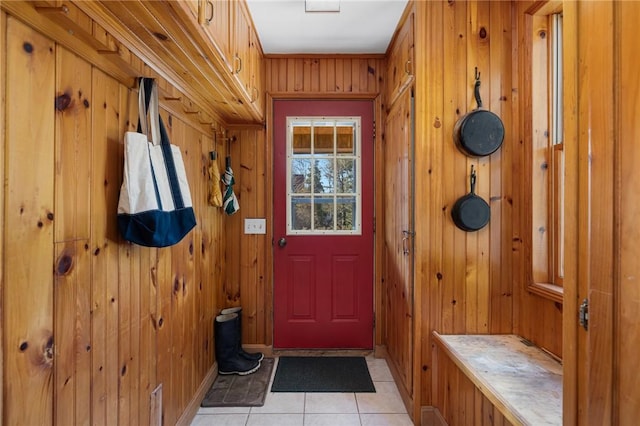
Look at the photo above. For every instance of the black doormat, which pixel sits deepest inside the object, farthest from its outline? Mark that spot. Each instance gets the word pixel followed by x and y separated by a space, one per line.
pixel 240 391
pixel 322 374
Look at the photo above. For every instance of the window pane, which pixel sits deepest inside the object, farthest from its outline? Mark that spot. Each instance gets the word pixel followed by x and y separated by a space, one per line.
pixel 345 137
pixel 300 213
pixel 302 139
pixel 323 213
pixel 346 213
pixel 346 176
pixel 323 138
pixel 300 176
pixel 323 177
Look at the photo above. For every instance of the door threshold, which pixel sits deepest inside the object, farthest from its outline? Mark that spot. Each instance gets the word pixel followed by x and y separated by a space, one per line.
pixel 322 352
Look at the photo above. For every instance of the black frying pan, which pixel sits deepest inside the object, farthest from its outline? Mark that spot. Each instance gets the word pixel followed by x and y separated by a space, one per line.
pixel 470 212
pixel 479 132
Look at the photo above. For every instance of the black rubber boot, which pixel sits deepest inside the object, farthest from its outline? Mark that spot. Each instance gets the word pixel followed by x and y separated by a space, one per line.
pixel 258 356
pixel 226 338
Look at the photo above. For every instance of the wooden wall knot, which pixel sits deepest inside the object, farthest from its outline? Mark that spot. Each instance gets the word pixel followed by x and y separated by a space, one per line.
pixel 64 265
pixel 63 101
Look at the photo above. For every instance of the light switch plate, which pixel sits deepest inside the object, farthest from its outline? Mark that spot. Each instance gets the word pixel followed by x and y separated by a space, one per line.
pixel 255 226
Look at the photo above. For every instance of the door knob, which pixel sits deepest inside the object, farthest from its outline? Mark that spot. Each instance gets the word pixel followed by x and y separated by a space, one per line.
pixel 282 242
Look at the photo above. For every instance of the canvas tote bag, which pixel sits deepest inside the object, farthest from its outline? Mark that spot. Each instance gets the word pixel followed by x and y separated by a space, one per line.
pixel 155 208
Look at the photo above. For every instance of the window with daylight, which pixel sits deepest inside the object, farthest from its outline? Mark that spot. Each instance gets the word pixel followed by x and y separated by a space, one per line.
pixel 323 175
pixel 547 155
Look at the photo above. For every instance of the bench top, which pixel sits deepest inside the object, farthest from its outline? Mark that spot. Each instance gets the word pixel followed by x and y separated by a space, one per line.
pixel 520 379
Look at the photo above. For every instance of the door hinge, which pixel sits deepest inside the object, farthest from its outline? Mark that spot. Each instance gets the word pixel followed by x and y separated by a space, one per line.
pixel 583 314
pixel 374 130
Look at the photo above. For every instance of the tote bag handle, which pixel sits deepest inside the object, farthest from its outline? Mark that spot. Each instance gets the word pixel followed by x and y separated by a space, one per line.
pixel 148 104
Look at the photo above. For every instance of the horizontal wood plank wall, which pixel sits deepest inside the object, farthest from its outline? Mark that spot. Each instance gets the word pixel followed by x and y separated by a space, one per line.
pixel 471 282
pixel 92 324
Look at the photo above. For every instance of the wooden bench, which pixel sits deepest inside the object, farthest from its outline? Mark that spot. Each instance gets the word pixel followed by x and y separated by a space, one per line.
pixel 522 381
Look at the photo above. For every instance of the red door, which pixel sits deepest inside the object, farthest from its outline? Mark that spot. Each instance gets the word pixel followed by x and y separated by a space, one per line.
pixel 323 224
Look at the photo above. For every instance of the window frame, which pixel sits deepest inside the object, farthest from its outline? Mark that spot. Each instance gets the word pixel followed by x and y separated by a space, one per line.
pixel 335 155
pixel 544 159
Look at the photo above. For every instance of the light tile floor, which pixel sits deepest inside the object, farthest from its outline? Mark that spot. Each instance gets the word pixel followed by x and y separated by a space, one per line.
pixel 382 408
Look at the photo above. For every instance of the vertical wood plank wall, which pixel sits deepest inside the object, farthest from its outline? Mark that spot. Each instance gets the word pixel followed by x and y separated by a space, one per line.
pixel 471 282
pixel 248 258
pixel 459 401
pixel 627 289
pixel 91 324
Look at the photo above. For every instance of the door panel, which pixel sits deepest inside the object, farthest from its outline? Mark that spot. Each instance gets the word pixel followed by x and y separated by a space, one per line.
pixel 399 238
pixel 323 254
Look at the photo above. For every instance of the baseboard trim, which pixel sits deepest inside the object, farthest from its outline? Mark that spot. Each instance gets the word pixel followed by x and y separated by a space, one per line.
pixel 253 348
pixel 430 416
pixel 192 408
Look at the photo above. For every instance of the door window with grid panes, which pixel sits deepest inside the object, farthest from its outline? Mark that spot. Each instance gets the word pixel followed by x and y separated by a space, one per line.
pixel 323 175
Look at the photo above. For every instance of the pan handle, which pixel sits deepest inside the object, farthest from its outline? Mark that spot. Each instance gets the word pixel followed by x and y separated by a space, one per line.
pixel 476 89
pixel 472 180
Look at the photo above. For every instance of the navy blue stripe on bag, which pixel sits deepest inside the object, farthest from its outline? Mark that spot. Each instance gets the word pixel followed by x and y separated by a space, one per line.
pixel 174 184
pixel 147 84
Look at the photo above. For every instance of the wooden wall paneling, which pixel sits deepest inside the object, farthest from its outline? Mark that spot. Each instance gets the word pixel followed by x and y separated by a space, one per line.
pixel 207 218
pixel 628 155
pixel 29 205
pixel 233 226
pixel 570 331
pixel 179 303
pixel 105 299
pixel 129 294
pixel 73 153
pixel 349 74
pixel 72 393
pixel 503 102
pixel 176 274
pixel 147 354
pixel 430 140
pixel 460 402
pixel 253 162
pixel 72 270
pixel 456 173
pixel 627 337
pixel 248 196
pixel 247 254
pixel 490 166
pixel 3 119
pixel 596 117
pixel 164 334
pixel 123 351
pixel 191 149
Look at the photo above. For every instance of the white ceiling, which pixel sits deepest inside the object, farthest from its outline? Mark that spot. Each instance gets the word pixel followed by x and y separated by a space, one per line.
pixel 361 26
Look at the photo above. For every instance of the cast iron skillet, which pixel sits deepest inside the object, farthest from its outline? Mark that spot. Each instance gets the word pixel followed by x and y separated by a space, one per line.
pixel 479 132
pixel 470 212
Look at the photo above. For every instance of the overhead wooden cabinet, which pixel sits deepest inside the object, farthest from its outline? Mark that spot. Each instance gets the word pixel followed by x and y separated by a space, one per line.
pixel 400 63
pixel 230 34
